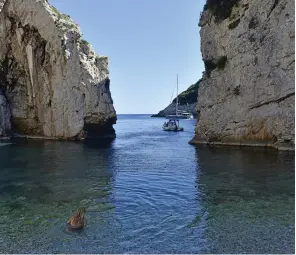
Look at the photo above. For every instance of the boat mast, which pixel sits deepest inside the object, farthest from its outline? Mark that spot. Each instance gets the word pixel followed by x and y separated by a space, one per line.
pixel 177 98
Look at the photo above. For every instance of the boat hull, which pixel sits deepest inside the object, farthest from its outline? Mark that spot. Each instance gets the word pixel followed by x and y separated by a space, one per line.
pixel 173 129
pixel 178 117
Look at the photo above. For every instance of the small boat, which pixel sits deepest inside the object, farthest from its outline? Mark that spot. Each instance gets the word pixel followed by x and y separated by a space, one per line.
pixel 172 125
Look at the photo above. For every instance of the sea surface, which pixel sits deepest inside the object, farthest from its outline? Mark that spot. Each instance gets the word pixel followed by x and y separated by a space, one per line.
pixel 148 191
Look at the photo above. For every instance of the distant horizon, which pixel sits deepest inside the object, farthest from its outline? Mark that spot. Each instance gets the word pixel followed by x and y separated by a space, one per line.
pixel 147 43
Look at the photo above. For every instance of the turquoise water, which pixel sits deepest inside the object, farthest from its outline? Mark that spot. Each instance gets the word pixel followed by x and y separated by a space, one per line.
pixel 148 191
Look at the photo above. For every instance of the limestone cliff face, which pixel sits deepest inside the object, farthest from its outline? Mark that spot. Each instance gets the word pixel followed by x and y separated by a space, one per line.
pixel 248 89
pixel 52 83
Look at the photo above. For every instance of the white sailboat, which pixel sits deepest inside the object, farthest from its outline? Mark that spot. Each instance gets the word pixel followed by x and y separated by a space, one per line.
pixel 173 123
pixel 180 114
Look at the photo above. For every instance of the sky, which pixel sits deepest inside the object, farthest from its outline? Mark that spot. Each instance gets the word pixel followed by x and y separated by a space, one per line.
pixel 148 42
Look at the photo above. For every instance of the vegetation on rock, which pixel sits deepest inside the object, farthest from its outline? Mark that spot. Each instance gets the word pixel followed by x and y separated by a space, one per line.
pixel 65 17
pixel 221 9
pixel 253 23
pixel 236 91
pixel 234 24
pixel 221 62
pixel 210 65
pixel 56 11
pixel 85 42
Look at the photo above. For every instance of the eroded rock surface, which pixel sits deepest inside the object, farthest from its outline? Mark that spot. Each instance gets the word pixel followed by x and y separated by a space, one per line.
pixel 248 89
pixel 5 125
pixel 55 84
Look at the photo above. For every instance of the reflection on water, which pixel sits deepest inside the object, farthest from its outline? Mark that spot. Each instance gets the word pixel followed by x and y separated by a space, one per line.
pixel 249 195
pixel 147 191
pixel 43 183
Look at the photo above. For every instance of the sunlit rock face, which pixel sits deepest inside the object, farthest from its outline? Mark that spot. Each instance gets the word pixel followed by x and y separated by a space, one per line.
pixel 248 89
pixel 55 85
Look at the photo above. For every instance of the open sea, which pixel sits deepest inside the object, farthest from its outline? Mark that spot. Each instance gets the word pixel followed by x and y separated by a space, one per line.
pixel 148 191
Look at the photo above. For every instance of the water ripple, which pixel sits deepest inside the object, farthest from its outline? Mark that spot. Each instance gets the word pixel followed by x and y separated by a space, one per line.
pixel 147 192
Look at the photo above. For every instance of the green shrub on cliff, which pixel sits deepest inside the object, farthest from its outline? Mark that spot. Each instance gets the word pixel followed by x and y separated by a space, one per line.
pixel 60 15
pixel 221 62
pixel 64 17
pixel 221 9
pixel 210 65
pixel 85 42
pixel 56 11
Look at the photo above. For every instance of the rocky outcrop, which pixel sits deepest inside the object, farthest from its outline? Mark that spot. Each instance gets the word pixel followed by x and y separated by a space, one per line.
pixel 55 84
pixel 247 95
pixel 187 102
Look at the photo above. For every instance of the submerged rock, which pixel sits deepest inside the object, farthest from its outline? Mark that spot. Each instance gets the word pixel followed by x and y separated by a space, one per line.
pixel 247 93
pixel 56 85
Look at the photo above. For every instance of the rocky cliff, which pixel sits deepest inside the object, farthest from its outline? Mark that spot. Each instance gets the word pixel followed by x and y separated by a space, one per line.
pixel 247 94
pixel 187 102
pixel 52 84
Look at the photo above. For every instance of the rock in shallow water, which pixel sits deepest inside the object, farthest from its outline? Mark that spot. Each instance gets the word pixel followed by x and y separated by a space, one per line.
pixel 56 85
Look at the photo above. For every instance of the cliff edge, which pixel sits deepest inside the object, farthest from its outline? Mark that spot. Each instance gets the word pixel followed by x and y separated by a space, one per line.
pixel 52 84
pixel 247 95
